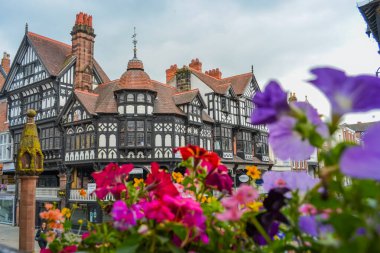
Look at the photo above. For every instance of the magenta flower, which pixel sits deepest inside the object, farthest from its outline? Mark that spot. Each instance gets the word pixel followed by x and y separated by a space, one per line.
pixel 111 179
pixel 157 210
pixel 125 217
pixel 363 161
pixel 286 142
pixel 269 104
pixel 289 179
pixel 218 177
pixel 245 194
pixel 345 93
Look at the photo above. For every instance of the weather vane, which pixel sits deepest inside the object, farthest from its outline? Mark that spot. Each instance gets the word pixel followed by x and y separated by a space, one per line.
pixel 134 41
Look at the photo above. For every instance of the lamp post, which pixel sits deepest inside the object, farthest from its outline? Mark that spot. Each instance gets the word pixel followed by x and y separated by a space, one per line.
pixel 28 166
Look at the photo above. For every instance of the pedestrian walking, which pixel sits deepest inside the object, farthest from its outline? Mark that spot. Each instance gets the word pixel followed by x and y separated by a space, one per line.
pixel 40 238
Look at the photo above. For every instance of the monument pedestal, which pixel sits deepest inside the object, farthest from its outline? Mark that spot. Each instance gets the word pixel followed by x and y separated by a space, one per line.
pixel 27 213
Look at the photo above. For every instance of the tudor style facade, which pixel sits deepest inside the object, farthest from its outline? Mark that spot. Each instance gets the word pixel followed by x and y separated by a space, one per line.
pixel 86 121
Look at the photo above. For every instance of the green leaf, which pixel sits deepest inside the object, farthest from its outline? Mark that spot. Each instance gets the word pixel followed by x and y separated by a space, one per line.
pixel 162 239
pixel 180 231
pixel 128 249
pixel 175 249
pixel 345 224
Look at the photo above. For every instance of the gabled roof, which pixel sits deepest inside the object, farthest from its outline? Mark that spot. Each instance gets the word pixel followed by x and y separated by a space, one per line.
pixel 106 102
pixel 368 9
pixel 52 53
pixel 185 97
pixel 164 103
pixel 238 83
pixel 3 76
pixel 55 55
pixel 88 100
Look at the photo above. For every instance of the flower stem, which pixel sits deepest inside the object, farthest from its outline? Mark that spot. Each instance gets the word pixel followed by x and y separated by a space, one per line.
pixel 261 230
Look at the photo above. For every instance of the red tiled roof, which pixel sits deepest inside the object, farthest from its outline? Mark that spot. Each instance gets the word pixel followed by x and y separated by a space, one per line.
pixel 164 104
pixel 51 52
pixel 106 102
pixel 185 97
pixel 3 116
pixel 135 78
pixel 212 82
pixel 87 99
pixel 55 55
pixel 239 82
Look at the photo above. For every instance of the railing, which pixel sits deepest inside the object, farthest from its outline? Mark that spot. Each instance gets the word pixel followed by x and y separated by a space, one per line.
pixel 75 195
pixel 47 193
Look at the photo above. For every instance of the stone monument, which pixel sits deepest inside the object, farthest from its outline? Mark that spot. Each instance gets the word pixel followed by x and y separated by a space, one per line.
pixel 28 166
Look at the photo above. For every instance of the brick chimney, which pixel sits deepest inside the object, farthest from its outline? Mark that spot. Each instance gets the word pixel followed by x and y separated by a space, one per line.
pixel 214 73
pixel 82 37
pixel 6 62
pixel 196 65
pixel 170 72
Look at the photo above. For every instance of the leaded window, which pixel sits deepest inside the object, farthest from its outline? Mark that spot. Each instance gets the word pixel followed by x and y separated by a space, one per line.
pixel 138 133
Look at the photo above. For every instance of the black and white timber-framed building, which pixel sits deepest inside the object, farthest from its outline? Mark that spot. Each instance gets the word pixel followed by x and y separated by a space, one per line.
pixel 86 121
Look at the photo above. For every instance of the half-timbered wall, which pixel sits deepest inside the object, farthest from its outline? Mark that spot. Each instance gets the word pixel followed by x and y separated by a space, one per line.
pixel 66 82
pixel 163 137
pixel 107 130
pixel 80 142
pixel 29 71
pixel 206 137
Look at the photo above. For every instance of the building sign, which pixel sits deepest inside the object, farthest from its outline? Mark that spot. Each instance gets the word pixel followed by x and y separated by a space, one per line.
pixel 11 188
pixel 90 188
pixel 227 155
pixel 9 167
pixel 243 178
pixel 265 158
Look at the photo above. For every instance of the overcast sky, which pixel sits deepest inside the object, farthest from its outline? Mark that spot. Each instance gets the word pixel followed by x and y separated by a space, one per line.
pixel 281 39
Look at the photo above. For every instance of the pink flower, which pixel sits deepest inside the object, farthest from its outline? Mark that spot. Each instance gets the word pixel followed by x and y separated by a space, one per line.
pixel 307 209
pixel 231 210
pixel 69 249
pixel 245 194
pixel 85 235
pixel 157 210
pixel 111 179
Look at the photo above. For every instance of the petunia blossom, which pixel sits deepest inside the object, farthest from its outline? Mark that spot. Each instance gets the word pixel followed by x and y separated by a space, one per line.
pixel 289 179
pixel 111 180
pixel 347 93
pixel 125 217
pixel 217 177
pixel 270 104
pixel 198 154
pixel 159 182
pixel 363 161
pixel 286 142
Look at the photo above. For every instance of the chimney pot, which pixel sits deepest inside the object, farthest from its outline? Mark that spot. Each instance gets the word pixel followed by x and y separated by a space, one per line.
pixel 6 62
pixel 196 64
pixel 216 73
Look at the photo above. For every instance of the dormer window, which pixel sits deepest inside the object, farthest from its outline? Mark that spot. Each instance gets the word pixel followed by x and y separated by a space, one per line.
pixel 149 98
pixel 121 98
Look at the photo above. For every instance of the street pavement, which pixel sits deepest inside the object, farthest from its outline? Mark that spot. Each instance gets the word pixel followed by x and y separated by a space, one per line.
pixel 9 237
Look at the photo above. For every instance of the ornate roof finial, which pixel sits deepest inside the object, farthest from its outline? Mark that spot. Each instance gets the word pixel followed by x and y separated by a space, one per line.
pixel 252 69
pixel 26 27
pixel 134 43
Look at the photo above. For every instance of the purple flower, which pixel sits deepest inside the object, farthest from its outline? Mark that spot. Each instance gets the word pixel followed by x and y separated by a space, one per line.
pixel 348 94
pixel 289 179
pixel 270 104
pixel 363 161
pixel 125 217
pixel 286 142
pixel 308 225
